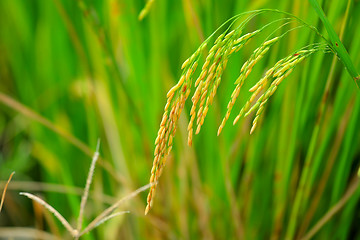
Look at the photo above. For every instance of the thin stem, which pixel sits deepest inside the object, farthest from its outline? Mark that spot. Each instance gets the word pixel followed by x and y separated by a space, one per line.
pixel 110 217
pixel 4 192
pixel 105 214
pixel 145 10
pixel 87 186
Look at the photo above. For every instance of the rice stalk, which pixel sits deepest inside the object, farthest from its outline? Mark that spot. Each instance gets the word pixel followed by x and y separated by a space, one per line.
pixel 108 213
pixel 111 216
pixel 64 222
pixel 144 12
pixel 87 186
pixel 4 191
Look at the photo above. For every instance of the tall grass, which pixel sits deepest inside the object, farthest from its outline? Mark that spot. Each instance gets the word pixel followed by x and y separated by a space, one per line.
pixel 75 71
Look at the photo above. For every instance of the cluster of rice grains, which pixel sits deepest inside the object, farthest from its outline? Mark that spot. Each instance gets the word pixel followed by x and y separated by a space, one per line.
pixel 207 83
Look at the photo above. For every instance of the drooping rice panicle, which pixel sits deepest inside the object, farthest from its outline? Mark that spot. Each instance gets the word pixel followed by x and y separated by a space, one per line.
pixel 244 73
pixel 231 43
pixel 256 89
pixel 213 60
pixel 207 83
pixel 212 83
pixel 246 69
pixel 206 72
pixel 176 98
pixel 281 70
pixel 241 41
pixel 217 63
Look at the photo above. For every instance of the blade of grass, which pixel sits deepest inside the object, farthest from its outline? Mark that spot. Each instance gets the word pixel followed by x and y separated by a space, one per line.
pixel 337 45
pixel 336 208
pixel 65 223
pixel 17 106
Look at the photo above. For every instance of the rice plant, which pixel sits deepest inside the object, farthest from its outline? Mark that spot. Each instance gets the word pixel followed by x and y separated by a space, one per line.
pixel 209 80
pixel 258 133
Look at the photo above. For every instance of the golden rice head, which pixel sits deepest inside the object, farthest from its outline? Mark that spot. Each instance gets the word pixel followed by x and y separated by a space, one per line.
pixel 176 98
pixel 246 69
pixel 281 70
pixel 214 77
pixel 210 77
pixel 208 73
pixel 206 87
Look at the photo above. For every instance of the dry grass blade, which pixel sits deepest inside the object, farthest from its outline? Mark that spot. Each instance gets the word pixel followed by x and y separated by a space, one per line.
pixel 65 223
pixel 33 186
pixel 107 213
pixel 87 186
pixel 25 233
pixel 110 217
pixel 4 192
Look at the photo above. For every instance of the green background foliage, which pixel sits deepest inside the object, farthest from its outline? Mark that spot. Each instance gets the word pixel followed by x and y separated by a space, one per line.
pixel 88 69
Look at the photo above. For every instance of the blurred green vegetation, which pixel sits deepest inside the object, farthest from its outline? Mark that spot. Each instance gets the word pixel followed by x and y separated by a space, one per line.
pixel 86 69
